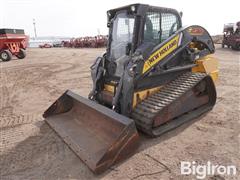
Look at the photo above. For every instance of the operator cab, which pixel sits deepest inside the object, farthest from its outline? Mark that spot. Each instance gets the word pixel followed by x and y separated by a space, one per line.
pixel 137 26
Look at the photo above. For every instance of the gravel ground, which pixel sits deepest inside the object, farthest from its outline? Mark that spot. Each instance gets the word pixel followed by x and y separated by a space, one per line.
pixel 30 149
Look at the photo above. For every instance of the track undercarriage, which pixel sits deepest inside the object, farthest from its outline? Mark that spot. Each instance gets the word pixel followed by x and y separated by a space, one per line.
pixel 181 100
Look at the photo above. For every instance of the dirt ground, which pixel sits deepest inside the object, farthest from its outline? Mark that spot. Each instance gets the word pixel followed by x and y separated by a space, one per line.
pixel 29 149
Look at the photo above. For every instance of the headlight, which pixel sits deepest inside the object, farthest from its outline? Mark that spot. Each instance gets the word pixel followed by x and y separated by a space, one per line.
pixel 132 70
pixel 133 8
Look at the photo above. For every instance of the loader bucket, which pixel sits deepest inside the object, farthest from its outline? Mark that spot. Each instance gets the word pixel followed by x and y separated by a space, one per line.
pixel 97 134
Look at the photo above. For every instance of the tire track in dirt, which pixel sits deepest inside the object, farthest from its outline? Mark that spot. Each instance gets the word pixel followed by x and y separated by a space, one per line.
pixel 15 120
pixel 30 149
pixel 22 77
pixel 13 126
pixel 41 142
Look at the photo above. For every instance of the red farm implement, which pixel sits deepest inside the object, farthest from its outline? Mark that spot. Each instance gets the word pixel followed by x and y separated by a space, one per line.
pixel 87 42
pixel 100 41
pixel 13 42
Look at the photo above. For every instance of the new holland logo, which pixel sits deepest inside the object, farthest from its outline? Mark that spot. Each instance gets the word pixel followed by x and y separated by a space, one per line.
pixel 161 53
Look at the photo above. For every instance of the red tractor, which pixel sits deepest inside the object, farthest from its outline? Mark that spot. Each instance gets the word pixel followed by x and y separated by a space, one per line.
pixel 231 36
pixel 13 42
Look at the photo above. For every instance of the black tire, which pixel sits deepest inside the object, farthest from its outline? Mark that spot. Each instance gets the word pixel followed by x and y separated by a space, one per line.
pixel 6 55
pixel 21 54
pixel 222 45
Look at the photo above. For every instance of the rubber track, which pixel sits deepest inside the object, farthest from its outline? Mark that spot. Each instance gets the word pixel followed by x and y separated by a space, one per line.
pixel 145 112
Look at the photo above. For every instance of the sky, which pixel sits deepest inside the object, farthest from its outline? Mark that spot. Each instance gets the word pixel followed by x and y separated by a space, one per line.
pixel 75 18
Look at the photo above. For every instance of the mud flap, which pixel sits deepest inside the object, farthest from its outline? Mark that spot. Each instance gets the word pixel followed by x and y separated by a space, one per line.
pixel 98 135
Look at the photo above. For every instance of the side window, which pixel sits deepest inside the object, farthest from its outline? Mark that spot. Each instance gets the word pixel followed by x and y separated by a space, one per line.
pixel 159 26
pixel 124 29
pixel 169 25
pixel 152 27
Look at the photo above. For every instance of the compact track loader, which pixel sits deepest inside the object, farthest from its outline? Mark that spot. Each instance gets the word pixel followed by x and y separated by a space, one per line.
pixel 154 76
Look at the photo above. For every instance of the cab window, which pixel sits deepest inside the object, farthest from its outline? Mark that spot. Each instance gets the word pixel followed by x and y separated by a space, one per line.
pixel 159 26
pixel 152 27
pixel 169 25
